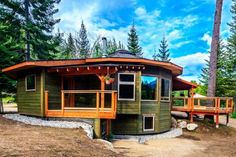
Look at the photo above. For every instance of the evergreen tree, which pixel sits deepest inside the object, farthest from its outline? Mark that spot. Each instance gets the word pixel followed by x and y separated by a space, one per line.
pixel 231 55
pixel 163 54
pixel 82 42
pixel 221 75
pixel 11 47
pixel 70 51
pixel 38 22
pixel 111 46
pixel 133 42
pixel 120 46
pixel 97 51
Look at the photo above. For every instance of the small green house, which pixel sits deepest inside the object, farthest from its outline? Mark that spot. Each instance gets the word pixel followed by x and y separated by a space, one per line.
pixel 121 93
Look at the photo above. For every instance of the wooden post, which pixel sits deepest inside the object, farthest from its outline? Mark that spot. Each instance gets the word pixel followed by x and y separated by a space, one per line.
pixel 191 116
pixel 217 120
pixel 46 103
pixel 97 127
pixel 227 119
pixel 62 102
pixel 97 103
pixel 102 93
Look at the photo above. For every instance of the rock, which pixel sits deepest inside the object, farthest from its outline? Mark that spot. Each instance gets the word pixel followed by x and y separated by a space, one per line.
pixel 182 124
pixel 192 126
pixel 173 122
pixel 57 124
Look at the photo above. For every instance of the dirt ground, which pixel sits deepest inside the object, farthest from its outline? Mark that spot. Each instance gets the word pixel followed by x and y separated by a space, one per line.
pixel 206 141
pixel 17 139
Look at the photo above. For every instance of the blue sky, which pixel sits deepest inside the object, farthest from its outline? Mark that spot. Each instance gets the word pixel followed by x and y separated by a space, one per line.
pixel 187 25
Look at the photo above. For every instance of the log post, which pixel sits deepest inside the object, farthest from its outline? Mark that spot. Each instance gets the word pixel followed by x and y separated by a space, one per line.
pixel 97 127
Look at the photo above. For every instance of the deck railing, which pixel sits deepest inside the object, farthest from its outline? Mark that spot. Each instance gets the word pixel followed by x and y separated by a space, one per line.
pixel 97 110
pixel 204 104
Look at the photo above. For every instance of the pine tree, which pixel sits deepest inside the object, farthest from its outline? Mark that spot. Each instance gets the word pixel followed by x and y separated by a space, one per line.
pixel 163 54
pixel 82 42
pixel 231 55
pixel 97 51
pixel 120 46
pixel 111 46
pixel 221 76
pixel 133 42
pixel 37 23
pixel 70 49
pixel 11 47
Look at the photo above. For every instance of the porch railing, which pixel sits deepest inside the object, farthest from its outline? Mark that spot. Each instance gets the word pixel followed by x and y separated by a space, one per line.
pixel 203 104
pixel 97 110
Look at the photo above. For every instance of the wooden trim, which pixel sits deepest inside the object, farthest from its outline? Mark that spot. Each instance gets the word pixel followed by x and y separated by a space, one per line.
pixel 176 70
pixel 126 83
pixel 83 112
pixel 46 102
pixel 153 122
pixel 35 83
pixel 42 89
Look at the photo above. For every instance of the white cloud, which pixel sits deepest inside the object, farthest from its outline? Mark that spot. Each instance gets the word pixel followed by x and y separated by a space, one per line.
pixel 191 59
pixel 206 37
pixel 95 25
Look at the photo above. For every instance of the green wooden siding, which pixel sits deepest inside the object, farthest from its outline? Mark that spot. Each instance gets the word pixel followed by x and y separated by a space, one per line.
pixel 131 107
pixel 53 86
pixel 126 124
pixel 165 116
pixel 29 102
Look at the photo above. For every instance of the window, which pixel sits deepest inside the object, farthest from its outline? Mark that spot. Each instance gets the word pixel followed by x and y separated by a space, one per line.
pixel 165 89
pixel 126 86
pixel 149 86
pixel 148 122
pixel 30 83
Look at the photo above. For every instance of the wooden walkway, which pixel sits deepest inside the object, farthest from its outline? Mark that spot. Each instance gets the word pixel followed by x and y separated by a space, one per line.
pixel 204 106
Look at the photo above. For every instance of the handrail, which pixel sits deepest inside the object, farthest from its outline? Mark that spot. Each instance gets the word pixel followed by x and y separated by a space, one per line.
pixel 87 91
pixel 100 111
pixel 216 107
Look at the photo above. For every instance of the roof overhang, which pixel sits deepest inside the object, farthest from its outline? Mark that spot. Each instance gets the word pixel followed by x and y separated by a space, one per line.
pixel 180 84
pixel 175 69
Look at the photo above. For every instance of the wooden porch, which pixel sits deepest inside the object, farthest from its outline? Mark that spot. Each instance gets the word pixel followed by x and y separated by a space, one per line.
pixel 204 106
pixel 96 110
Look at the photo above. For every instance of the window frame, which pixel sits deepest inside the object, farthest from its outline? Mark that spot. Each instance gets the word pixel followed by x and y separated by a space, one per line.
pixel 153 122
pixel 126 83
pixel 26 81
pixel 161 97
pixel 156 91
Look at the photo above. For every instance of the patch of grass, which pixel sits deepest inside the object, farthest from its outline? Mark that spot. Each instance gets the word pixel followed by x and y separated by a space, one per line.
pixel 8 99
pixel 233 115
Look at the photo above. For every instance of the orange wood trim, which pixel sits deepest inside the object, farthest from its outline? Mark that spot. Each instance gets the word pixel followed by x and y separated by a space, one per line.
pixel 97 102
pixel 46 102
pixel 62 102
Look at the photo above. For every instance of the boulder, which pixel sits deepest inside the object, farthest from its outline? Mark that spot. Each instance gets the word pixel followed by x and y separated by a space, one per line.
pixel 192 126
pixel 173 122
pixel 182 124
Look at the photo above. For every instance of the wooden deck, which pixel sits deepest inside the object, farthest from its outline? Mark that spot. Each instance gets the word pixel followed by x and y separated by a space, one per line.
pixel 205 105
pixel 100 111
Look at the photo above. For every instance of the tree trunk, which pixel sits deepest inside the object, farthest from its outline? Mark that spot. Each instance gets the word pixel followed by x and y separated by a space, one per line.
pixel 213 56
pixel 214 46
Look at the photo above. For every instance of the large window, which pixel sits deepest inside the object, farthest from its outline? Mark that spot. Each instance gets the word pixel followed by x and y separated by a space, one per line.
pixel 149 87
pixel 165 89
pixel 148 122
pixel 30 83
pixel 126 86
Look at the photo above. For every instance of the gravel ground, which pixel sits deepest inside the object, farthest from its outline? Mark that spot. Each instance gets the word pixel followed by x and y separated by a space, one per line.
pixel 174 132
pixel 57 124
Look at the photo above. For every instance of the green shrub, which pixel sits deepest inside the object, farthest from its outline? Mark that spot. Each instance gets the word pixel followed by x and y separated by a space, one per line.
pixel 233 115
